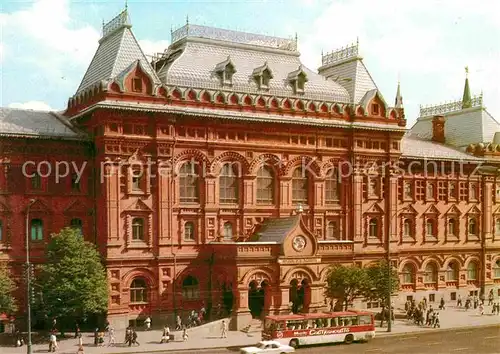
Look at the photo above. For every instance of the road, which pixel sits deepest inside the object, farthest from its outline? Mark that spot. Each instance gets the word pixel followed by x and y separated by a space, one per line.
pixel 484 340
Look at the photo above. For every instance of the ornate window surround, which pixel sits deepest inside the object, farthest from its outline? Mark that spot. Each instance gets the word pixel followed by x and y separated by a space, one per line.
pixel 473 213
pixel 147 216
pixel 452 214
pixel 431 214
pixel 410 214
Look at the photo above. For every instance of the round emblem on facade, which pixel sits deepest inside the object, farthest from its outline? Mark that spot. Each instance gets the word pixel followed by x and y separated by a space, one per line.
pixel 299 242
pixel 279 334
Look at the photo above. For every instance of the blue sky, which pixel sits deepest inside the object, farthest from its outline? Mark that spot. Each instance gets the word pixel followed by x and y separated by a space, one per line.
pixel 46 45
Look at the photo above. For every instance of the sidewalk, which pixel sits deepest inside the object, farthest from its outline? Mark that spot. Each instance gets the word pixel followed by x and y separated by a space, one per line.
pixel 450 318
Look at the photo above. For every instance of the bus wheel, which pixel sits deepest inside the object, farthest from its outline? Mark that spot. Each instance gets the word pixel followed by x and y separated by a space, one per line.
pixel 294 343
pixel 349 339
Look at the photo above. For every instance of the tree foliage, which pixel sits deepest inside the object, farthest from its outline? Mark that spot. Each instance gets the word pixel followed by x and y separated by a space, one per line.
pixel 73 280
pixel 7 287
pixel 378 281
pixel 345 283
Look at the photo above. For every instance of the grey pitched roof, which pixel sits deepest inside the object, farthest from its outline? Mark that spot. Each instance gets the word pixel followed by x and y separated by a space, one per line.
pixel 351 74
pixel 276 229
pixel 192 61
pixel 415 147
pixel 117 50
pixel 29 123
pixel 461 128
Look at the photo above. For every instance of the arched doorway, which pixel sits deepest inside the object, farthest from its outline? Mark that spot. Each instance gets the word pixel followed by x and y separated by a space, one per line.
pixel 256 297
pixel 227 297
pixel 300 293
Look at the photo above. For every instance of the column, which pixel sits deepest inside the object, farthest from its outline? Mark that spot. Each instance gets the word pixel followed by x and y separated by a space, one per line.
pixel 357 205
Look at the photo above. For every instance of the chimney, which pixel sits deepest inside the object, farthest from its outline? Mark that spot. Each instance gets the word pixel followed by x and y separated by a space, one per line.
pixel 438 129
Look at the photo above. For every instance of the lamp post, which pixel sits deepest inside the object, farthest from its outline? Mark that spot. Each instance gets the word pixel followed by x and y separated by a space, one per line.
pixel 28 277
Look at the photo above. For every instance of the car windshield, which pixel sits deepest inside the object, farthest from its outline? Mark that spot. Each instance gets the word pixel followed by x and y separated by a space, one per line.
pixel 261 345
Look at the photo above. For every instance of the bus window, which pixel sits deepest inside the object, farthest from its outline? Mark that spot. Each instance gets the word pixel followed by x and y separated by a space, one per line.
pixel 365 319
pixel 335 322
pixel 354 321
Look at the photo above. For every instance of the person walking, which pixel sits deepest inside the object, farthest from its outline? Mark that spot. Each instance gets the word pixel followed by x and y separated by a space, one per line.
pixel 442 304
pixel 223 329
pixel 178 322
pixel 52 342
pixel 111 334
pixel 481 309
pixel 147 322
pixel 459 301
pixel 185 336
pixel 490 297
pixel 165 337
pixel 134 337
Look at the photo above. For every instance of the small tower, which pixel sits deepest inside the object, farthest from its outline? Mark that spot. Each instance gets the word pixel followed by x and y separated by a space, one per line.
pixel 466 99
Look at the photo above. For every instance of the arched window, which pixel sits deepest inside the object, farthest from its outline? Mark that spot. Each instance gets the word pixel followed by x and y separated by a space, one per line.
pixel 407 228
pixel 77 224
pixel 429 228
pixel 472 226
pixel 332 187
pixel 497 227
pixel 373 228
pixel 430 191
pixel 189 231
pixel 189 183
pixel 452 271
pixel 228 231
pixel 473 191
pixel 36 230
pixel 431 273
pixel 332 230
pixel 228 184
pixel 190 288
pixel 36 181
pixel 138 229
pixel 452 229
pixel 496 269
pixel 472 271
pixel 138 291
pixel 408 274
pixel 265 185
pixel 299 186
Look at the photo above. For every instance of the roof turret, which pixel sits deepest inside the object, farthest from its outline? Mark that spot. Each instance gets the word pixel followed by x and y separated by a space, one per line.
pixel 118 49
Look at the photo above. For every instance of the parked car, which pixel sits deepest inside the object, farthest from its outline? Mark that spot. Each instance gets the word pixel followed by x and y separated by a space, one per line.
pixel 268 347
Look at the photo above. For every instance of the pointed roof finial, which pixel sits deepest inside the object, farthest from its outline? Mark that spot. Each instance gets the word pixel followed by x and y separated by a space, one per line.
pixel 187 19
pixel 466 98
pixel 296 37
pixel 399 98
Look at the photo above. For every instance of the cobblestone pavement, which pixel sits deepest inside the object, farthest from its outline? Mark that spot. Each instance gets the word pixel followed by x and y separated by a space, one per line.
pixel 203 339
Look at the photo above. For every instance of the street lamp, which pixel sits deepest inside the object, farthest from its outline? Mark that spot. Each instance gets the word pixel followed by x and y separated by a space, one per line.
pixel 28 276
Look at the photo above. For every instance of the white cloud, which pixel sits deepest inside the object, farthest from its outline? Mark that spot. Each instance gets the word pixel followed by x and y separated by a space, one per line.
pixel 153 47
pixel 34 105
pixel 427 42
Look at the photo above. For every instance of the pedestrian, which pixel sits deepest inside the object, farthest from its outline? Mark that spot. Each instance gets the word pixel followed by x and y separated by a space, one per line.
pixel 165 337
pixel 498 308
pixel 223 329
pixel 185 336
pixel 436 320
pixel 178 322
pixel 481 309
pixel 147 322
pixel 111 334
pixel 459 301
pixel 441 304
pixel 134 337
pixel 490 297
pixel 96 337
pixel 77 330
pixel 52 342
pixel 80 340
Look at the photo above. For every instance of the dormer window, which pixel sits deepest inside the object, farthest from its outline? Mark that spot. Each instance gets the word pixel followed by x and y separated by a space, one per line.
pixel 262 76
pixel 137 84
pixel 225 72
pixel 297 80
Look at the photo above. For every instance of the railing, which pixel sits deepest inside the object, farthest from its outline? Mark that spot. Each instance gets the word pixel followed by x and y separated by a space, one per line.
pixel 189 30
pixel 254 250
pixel 336 247
pixel 348 52
pixel 442 108
pixel 120 20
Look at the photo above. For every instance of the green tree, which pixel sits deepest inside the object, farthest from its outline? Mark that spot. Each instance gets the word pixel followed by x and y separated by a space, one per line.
pixel 7 286
pixel 72 281
pixel 345 283
pixel 377 288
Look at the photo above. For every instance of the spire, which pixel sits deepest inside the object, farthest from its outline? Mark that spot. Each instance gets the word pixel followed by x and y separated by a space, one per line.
pixel 399 98
pixel 466 99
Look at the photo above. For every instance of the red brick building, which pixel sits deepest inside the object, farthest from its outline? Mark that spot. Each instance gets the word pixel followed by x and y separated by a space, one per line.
pixel 226 172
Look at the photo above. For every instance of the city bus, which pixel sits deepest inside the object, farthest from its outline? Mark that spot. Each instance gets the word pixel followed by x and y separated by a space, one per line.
pixel 319 328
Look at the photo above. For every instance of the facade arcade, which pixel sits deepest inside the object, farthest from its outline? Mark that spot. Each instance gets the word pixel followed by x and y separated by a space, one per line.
pixel 226 173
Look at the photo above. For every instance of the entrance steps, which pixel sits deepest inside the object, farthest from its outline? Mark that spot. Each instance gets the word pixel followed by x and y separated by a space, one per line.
pixel 255 326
